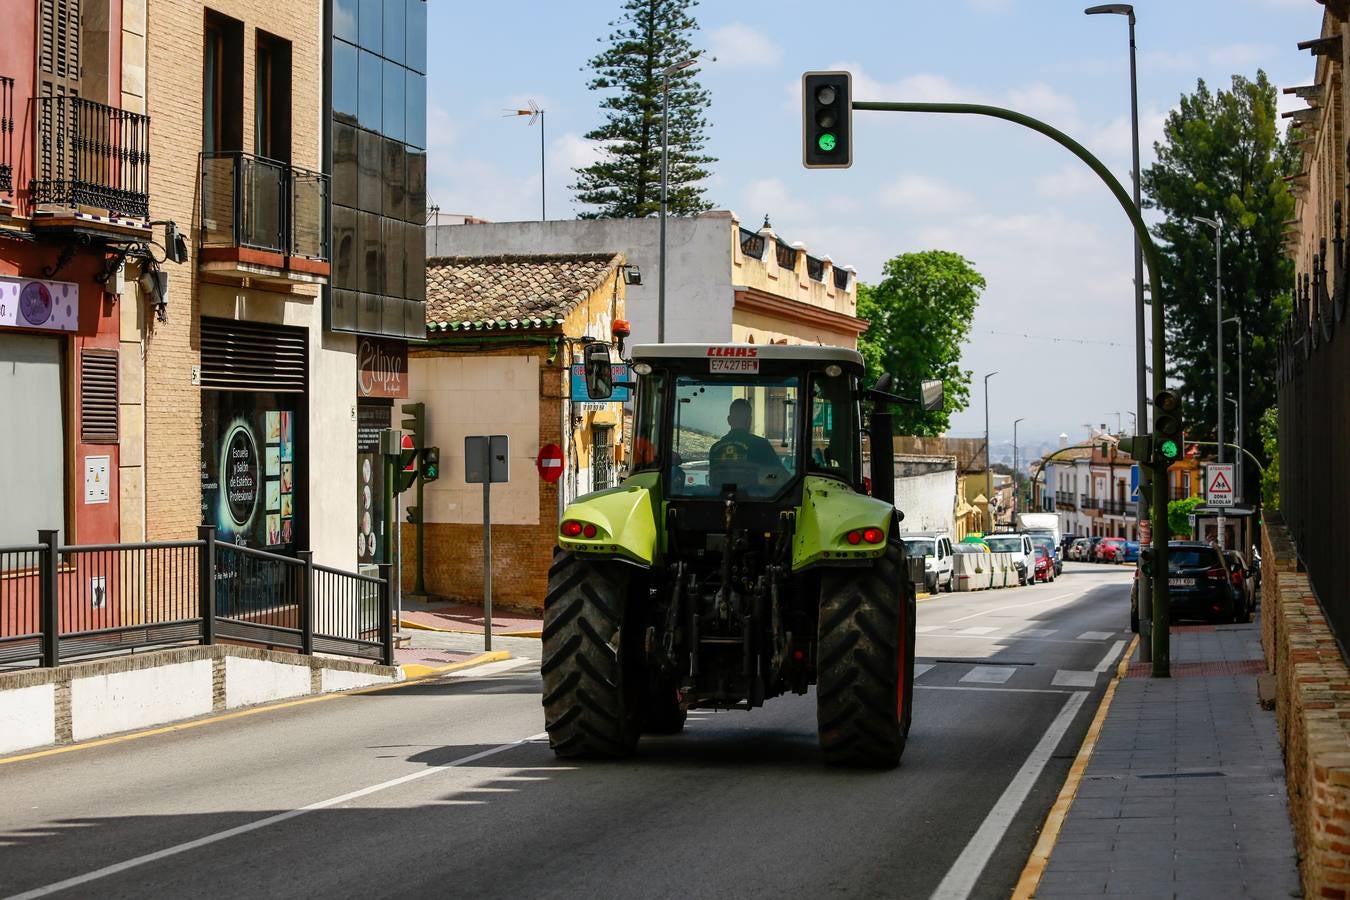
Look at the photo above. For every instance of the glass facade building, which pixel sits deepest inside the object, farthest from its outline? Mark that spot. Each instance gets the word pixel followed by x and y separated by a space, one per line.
pixel 376 153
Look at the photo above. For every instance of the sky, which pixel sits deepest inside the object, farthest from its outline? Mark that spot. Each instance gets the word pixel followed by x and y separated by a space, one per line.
pixel 1057 319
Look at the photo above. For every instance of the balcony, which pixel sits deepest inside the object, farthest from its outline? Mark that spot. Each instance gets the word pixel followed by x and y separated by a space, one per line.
pixel 1086 501
pixel 91 164
pixel 263 220
pixel 6 144
pixel 1113 507
pixel 1065 498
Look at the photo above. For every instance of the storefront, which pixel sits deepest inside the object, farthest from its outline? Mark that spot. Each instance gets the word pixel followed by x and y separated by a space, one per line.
pixel 254 434
pixel 381 378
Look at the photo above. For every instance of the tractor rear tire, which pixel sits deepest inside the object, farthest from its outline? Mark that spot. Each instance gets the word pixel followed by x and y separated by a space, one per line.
pixel 865 678
pixel 593 684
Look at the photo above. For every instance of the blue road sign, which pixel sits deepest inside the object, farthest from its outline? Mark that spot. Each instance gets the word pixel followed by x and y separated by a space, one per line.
pixel 1134 483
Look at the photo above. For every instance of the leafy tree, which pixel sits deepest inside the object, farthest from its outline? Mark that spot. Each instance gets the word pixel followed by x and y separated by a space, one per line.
pixel 920 314
pixel 1270 443
pixel 1222 157
pixel 1178 515
pixel 625 182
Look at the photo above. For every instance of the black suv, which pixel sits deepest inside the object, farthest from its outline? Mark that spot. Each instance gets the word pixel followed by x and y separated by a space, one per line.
pixel 1199 585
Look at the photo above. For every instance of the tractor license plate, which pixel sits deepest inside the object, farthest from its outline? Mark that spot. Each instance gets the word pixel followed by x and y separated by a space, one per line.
pixel 733 366
pixel 1181 582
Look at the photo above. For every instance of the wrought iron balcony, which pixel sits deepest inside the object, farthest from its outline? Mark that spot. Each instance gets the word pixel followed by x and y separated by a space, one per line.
pixel 91 155
pixel 1086 501
pixel 261 213
pixel 6 138
pixel 1065 498
pixel 752 243
pixel 840 279
pixel 1113 507
pixel 815 268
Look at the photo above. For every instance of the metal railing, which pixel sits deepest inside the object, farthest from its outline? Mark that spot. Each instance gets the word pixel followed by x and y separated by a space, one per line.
pixel 752 243
pixel 1065 498
pixel 91 154
pixel 1086 501
pixel 1314 432
pixel 787 255
pixel 1113 507
pixel 59 603
pixel 6 135
pixel 815 268
pixel 251 201
pixel 840 279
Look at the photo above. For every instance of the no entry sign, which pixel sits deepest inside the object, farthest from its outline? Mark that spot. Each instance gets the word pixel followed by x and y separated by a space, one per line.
pixel 549 462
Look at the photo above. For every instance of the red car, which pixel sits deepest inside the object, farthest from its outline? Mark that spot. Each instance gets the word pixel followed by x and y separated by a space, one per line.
pixel 1111 550
pixel 1045 564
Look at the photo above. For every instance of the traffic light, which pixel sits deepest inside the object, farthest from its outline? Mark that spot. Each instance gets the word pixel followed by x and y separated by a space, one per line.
pixel 413 514
pixel 1139 447
pixel 827 120
pixel 1168 441
pixel 414 425
pixel 431 464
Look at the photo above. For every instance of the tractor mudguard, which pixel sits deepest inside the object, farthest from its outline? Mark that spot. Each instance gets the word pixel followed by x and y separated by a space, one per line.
pixel 829 512
pixel 624 518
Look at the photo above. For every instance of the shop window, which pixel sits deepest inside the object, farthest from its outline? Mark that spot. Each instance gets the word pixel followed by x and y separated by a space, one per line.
pixel 222 84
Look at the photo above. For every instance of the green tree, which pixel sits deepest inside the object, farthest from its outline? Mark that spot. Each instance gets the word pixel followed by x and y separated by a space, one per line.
pixel 1270 443
pixel 920 314
pixel 625 182
pixel 1178 516
pixel 1222 157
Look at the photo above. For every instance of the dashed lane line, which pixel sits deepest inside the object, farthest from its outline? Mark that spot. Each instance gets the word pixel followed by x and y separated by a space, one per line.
pixel 989 674
pixel 1074 678
pixel 1095 635
pixel 985 612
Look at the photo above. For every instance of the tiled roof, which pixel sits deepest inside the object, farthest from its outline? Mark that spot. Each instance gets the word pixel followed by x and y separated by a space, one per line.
pixel 492 293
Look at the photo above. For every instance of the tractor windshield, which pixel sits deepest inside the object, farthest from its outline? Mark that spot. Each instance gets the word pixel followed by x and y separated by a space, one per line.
pixel 730 430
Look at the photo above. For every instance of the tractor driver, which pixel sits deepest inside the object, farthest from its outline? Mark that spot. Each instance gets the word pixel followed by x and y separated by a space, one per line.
pixel 743 451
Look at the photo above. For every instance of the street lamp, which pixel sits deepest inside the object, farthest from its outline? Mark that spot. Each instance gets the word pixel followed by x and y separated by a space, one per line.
pixel 1218 318
pixel 665 121
pixel 988 472
pixel 1237 320
pixel 1014 493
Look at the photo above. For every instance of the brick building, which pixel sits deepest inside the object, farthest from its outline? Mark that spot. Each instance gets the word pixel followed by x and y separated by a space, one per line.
pixel 503 357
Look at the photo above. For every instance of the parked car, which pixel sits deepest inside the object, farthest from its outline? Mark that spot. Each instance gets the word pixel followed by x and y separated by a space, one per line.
pixel 1080 549
pixel 1045 563
pixel 1199 584
pixel 936 550
pixel 1111 550
pixel 1244 588
pixel 1131 551
pixel 1066 544
pixel 1019 546
pixel 1047 540
pixel 1093 542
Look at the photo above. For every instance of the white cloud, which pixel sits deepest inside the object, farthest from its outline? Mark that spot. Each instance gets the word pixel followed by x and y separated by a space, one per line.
pixel 919 193
pixel 737 45
pixel 1069 181
pixel 772 197
pixel 572 151
pixel 1240 55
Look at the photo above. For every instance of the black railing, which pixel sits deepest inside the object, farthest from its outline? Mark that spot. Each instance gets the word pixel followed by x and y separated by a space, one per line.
pixel 1314 434
pixel 251 201
pixel 1113 507
pixel 815 268
pixel 1086 501
pixel 59 603
pixel 90 154
pixel 787 255
pixel 6 135
pixel 1065 498
pixel 752 243
pixel 840 279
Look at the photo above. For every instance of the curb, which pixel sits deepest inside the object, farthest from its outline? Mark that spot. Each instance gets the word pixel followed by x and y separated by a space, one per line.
pixel 1034 870
pixel 415 672
pixel 417 626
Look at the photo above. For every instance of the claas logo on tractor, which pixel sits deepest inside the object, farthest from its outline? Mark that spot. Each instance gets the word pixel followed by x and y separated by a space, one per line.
pixel 726 569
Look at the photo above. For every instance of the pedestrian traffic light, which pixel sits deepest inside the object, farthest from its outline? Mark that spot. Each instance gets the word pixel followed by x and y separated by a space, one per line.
pixel 827 120
pixel 431 463
pixel 414 425
pixel 413 514
pixel 1168 441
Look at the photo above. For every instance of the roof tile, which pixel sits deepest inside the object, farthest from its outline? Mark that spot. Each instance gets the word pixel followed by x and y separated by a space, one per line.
pixel 521 292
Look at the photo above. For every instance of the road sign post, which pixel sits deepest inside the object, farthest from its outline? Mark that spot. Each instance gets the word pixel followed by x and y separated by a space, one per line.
pixel 486 461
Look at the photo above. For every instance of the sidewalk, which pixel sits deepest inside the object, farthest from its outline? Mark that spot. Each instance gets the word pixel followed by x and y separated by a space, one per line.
pixel 460 617
pixel 1184 794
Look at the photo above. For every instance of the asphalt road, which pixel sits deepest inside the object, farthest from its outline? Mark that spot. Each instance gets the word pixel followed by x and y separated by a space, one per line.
pixel 448 788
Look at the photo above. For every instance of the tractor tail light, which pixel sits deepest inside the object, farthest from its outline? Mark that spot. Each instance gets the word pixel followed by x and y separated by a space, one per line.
pixel 873 535
pixel 855 537
pixel 588 530
pixel 571 529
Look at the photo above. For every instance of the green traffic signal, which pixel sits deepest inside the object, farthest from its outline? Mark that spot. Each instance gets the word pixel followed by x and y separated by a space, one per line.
pixel 826 142
pixel 1169 450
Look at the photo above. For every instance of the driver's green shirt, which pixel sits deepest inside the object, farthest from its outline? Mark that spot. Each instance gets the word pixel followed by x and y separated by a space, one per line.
pixel 741 445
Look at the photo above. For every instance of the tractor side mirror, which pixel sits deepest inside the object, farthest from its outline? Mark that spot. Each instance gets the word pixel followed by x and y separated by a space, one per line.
pixel 599 372
pixel 931 394
pixel 884 382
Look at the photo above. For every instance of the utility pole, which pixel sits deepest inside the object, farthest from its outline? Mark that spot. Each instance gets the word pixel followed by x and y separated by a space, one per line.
pixel 1014 500
pixel 988 472
pixel 1218 346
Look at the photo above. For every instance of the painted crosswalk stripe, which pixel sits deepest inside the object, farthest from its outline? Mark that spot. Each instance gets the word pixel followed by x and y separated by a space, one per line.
pixel 920 668
pixel 1096 635
pixel 1074 678
pixel 989 674
pixel 1036 632
pixel 924 629
pixel 980 629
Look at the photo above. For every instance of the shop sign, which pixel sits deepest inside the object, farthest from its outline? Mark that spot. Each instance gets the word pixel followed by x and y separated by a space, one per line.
pixel 578 384
pixel 36 303
pixel 248 468
pixel 381 368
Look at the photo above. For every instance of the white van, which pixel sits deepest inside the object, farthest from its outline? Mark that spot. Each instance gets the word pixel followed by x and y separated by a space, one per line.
pixel 936 550
pixel 1022 552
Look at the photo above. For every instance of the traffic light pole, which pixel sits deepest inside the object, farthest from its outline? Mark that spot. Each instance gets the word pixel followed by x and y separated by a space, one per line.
pixel 1161 613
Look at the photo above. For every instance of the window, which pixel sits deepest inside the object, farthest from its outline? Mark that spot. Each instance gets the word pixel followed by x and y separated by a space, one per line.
pixel 222 84
pixel 602 457
pixel 370 25
pixel 415 116
pixel 651 403
pixel 272 98
pixel 32 466
pixel 344 19
pixel 834 435
pixel 720 437
pixel 394 33
pixel 395 102
pixel 345 89
pixel 416 31
pixel 370 90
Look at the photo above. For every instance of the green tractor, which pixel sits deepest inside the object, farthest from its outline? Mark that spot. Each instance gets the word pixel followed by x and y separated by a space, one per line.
pixel 746 556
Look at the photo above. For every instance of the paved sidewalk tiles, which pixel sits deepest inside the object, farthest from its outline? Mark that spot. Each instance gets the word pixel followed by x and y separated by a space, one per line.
pixel 465 618
pixel 1184 795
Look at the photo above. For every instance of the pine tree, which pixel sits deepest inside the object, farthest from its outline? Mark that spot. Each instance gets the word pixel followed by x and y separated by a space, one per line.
pixel 625 182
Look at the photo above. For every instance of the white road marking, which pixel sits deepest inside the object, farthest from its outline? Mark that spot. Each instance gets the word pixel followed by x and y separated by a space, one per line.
pixel 979 629
pixel 1096 635
pixel 920 668
pixel 987 690
pixel 1110 657
pixel 924 629
pixel 961 636
pixel 985 612
pixel 1036 632
pixel 1074 678
pixel 961 877
pixel 989 674
pixel 176 849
